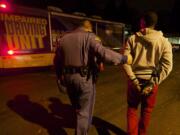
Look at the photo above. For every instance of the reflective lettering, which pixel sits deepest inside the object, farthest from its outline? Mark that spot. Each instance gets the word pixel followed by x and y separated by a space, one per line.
pixel 24 32
pixel 40 42
pixel 25 42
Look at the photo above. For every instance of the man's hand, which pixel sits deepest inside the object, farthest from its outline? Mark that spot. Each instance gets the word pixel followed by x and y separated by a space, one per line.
pixel 61 87
pixel 147 89
pixel 61 84
pixel 136 84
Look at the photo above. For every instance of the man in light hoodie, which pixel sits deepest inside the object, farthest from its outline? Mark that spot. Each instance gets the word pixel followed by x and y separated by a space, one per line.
pixel 152 63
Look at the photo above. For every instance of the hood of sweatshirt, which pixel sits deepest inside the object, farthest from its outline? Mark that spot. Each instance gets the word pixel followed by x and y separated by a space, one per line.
pixel 149 35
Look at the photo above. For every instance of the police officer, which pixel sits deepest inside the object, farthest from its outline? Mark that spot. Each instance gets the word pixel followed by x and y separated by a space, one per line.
pixel 76 56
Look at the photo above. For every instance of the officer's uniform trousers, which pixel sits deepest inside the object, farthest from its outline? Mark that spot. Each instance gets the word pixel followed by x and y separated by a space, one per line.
pixel 135 125
pixel 82 95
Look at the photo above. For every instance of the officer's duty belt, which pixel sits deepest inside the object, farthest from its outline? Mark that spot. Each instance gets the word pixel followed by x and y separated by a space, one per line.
pixel 83 70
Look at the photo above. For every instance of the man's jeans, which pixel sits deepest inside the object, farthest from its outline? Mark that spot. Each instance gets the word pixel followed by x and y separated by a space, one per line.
pixel 135 125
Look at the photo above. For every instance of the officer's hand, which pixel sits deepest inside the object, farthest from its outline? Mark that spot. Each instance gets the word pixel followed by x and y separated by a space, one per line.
pixel 101 67
pixel 129 59
pixel 147 90
pixel 61 86
pixel 136 84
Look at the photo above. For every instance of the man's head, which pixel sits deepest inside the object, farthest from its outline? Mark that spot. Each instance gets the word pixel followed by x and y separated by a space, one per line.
pixel 149 19
pixel 86 24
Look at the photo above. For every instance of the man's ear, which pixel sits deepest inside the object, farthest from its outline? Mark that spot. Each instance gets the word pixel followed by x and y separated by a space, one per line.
pixel 142 23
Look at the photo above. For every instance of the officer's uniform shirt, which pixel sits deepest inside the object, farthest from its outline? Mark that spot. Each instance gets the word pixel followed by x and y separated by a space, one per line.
pixel 76 45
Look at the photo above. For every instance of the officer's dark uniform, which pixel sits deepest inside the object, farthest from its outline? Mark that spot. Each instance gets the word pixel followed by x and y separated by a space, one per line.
pixel 75 51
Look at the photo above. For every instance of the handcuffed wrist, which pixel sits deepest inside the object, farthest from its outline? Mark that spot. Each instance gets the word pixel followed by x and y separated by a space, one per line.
pixel 132 79
pixel 135 81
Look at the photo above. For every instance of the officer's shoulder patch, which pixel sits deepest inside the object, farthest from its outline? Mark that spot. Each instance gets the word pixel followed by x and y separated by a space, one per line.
pixel 97 39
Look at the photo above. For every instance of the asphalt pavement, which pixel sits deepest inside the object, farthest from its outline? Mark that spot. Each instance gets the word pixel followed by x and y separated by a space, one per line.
pixel 31 104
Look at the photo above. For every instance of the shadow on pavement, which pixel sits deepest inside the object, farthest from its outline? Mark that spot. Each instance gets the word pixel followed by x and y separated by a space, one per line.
pixel 60 116
pixel 104 127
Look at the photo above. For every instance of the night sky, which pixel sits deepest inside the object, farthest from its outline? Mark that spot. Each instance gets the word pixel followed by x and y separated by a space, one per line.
pixel 126 11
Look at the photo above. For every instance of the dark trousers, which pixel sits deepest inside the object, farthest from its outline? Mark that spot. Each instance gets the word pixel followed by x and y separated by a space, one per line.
pixel 135 125
pixel 82 96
